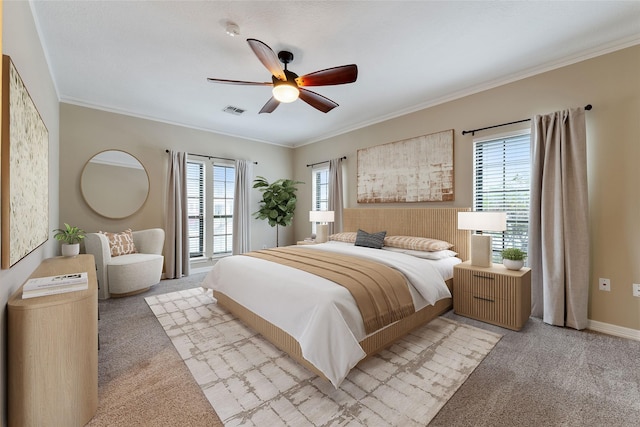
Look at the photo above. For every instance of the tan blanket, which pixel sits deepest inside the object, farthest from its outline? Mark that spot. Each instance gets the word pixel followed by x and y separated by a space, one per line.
pixel 381 293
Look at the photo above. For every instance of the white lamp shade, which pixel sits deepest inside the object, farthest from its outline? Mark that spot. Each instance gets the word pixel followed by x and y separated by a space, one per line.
pixel 321 216
pixel 483 221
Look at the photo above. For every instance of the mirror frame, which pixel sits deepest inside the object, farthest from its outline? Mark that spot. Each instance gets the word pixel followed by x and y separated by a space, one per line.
pixel 107 215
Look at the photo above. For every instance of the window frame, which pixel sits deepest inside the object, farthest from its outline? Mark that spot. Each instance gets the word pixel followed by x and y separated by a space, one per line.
pixel 208 210
pixel 227 215
pixel 318 203
pixel 516 234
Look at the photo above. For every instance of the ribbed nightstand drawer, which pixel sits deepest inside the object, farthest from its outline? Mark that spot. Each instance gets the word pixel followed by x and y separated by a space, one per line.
pixel 497 311
pixel 486 284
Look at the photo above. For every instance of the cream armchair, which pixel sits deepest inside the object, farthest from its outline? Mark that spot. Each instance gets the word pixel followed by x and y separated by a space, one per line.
pixel 127 274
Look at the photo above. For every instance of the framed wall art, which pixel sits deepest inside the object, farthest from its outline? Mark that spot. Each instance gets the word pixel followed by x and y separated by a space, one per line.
pixel 24 167
pixel 418 169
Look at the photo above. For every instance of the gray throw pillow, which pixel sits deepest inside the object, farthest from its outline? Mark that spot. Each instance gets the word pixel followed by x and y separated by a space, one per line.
pixel 370 240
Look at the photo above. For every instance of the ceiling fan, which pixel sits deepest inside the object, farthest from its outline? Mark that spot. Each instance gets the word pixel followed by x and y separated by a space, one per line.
pixel 288 86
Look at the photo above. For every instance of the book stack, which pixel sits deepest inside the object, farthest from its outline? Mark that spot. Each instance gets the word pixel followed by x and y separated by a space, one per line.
pixel 51 285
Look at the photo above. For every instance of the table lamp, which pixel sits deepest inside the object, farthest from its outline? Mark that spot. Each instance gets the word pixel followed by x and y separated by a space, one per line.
pixel 322 218
pixel 481 243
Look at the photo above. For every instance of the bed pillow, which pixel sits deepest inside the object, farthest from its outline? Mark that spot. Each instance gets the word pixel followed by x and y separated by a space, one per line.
pixel 432 255
pixel 370 240
pixel 416 243
pixel 121 243
pixel 346 236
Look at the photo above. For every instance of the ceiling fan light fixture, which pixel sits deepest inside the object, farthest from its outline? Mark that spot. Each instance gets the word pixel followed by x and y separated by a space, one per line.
pixel 288 86
pixel 232 29
pixel 285 92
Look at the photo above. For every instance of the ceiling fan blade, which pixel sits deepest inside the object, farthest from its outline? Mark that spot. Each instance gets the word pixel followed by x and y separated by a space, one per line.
pixel 240 82
pixel 268 58
pixel 331 76
pixel 317 101
pixel 271 105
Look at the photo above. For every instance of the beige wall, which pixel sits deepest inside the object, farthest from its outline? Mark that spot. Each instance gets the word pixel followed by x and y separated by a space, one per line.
pixel 20 41
pixel 612 84
pixel 85 132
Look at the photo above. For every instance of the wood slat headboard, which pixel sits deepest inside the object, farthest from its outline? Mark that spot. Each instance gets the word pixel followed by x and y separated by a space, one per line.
pixel 437 223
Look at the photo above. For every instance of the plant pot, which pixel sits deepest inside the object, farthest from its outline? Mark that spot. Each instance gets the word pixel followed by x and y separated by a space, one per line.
pixel 70 250
pixel 511 264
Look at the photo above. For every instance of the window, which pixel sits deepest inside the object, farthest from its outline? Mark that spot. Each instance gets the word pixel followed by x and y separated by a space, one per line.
pixel 224 177
pixel 501 176
pixel 320 196
pixel 210 191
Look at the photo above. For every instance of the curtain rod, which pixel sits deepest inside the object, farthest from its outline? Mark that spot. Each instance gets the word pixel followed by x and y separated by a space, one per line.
pixel 319 163
pixel 473 132
pixel 213 157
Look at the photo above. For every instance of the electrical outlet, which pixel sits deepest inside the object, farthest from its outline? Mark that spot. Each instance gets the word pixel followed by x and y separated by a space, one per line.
pixel 604 284
pixel 636 289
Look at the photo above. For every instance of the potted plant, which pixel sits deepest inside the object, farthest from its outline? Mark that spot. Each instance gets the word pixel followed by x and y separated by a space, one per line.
pixel 513 258
pixel 71 237
pixel 278 201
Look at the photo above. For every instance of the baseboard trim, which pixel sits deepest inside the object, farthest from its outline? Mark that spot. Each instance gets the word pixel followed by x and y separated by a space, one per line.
pixel 200 270
pixel 618 331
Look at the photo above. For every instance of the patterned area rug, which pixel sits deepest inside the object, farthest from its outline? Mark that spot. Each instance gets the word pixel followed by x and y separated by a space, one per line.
pixel 250 382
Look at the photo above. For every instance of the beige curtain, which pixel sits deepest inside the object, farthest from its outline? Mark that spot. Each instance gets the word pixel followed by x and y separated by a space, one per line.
pixel 176 248
pixel 558 230
pixel 242 207
pixel 336 194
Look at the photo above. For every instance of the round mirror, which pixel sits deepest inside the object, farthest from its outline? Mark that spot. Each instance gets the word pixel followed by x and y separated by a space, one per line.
pixel 114 184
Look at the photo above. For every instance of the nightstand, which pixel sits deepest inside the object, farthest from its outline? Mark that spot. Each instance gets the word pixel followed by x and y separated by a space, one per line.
pixel 494 295
pixel 307 242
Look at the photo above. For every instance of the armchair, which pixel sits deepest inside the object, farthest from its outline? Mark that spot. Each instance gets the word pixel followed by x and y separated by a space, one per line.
pixel 127 274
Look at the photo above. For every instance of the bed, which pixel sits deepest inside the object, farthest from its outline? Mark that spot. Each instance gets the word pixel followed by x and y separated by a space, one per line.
pixel 297 312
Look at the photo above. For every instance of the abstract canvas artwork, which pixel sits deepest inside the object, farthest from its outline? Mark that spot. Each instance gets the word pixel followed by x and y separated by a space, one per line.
pixel 25 170
pixel 418 169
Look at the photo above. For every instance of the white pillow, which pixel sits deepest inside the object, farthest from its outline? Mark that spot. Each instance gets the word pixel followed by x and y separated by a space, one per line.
pixel 434 255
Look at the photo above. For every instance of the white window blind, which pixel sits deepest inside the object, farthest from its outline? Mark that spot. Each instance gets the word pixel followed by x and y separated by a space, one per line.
pixel 195 208
pixel 501 175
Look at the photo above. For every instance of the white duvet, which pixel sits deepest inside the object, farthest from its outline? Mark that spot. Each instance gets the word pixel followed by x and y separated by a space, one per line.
pixel 321 315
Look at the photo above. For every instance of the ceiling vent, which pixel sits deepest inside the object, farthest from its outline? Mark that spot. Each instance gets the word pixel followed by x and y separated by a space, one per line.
pixel 233 110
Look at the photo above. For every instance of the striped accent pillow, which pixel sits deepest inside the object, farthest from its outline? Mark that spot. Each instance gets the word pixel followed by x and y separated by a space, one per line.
pixel 121 243
pixel 416 243
pixel 346 236
pixel 370 240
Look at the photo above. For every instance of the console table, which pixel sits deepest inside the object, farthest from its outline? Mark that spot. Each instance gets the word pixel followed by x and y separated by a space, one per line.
pixel 53 351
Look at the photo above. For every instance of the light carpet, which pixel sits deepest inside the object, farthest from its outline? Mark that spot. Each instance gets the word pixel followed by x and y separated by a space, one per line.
pixel 248 381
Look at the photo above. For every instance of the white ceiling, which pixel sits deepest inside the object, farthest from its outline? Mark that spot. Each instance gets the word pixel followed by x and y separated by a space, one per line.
pixel 151 58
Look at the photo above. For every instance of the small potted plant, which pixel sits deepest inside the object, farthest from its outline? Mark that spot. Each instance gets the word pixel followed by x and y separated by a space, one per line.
pixel 513 258
pixel 71 237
